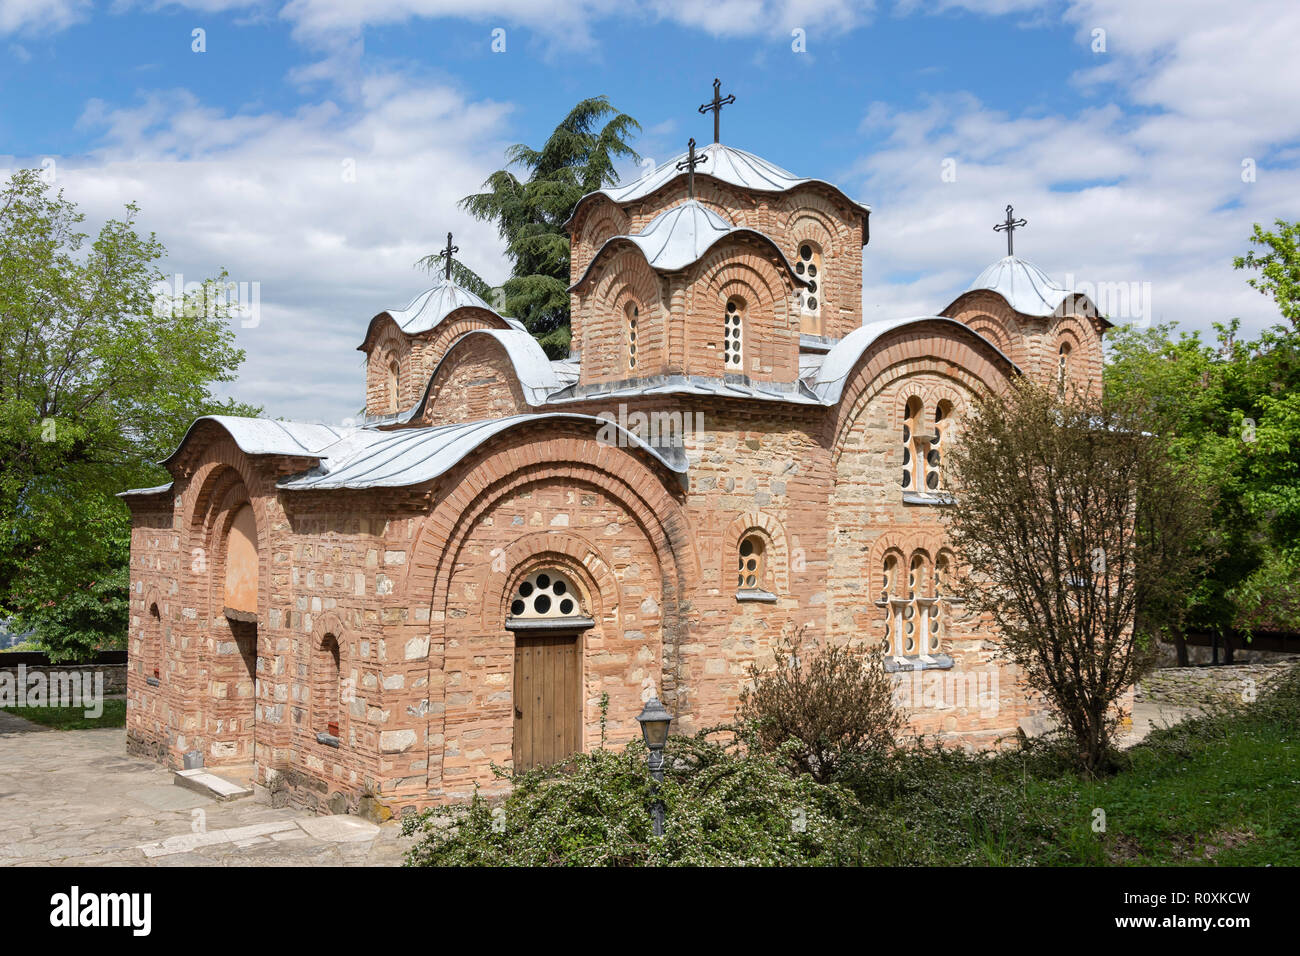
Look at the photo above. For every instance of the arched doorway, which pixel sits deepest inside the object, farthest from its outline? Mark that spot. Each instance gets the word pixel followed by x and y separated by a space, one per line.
pixel 548 620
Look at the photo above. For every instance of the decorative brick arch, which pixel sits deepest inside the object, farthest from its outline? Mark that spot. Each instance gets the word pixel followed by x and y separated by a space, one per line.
pixel 502 467
pixel 570 552
pixel 915 349
pixel 602 222
pixel 388 345
pixel 989 315
pixel 773 532
pixel 906 544
pixel 467 350
pixel 225 480
pixel 815 223
pixel 561 451
pixel 625 277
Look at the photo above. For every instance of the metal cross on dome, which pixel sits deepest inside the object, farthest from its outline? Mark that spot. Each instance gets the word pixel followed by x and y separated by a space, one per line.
pixel 447 254
pixel 716 105
pixel 689 164
pixel 1009 227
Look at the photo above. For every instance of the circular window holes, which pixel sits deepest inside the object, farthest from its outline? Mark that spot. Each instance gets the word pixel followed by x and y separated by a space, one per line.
pixel 545 594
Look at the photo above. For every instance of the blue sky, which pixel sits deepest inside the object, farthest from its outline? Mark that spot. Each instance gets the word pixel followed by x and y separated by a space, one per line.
pixel 1127 161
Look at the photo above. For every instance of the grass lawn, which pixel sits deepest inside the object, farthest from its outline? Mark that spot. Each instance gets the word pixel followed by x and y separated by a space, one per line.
pixel 73 718
pixel 1223 790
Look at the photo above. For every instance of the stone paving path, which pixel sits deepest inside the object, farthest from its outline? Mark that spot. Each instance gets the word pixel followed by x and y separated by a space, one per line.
pixel 75 798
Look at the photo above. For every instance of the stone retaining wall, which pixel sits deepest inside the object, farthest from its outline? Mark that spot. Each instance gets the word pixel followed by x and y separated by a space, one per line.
pixel 114 674
pixel 1203 686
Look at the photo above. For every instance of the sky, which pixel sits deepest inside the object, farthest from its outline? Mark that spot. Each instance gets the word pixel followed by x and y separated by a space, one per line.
pixel 316 149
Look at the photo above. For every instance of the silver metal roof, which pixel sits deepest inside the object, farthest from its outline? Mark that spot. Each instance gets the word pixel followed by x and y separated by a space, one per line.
pixel 428 309
pixel 142 492
pixel 680 236
pixel 264 436
pixel 726 164
pixel 735 386
pixel 839 362
pixel 1028 289
pixel 412 456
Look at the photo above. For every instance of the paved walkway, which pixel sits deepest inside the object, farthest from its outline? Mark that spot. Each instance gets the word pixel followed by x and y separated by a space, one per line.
pixel 76 798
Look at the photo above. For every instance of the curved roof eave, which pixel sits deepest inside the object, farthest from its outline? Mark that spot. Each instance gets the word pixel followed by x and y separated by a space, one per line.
pixel 265 436
pixel 631 240
pixel 840 361
pixel 415 325
pixel 415 456
pixel 746 171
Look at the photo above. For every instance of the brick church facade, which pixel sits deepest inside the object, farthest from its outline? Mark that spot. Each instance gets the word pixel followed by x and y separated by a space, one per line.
pixel 511 548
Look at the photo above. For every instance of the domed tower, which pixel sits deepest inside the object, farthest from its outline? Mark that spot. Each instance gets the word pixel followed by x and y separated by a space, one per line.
pixel 715 263
pixel 404 346
pixel 1052 333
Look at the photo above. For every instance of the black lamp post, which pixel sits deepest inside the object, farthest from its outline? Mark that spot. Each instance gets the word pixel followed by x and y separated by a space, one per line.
pixel 654 720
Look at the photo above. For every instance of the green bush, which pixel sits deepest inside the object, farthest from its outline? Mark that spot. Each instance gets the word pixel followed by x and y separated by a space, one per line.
pixel 723 807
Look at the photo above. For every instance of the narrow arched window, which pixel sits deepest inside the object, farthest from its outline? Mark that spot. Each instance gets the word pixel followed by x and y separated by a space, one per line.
pixel 939 610
pixel 632 314
pixel 808 265
pixel 751 572
pixel 733 332
pixel 911 442
pixel 1063 364
pixel 393 398
pixel 888 598
pixel 938 441
pixel 151 650
pixel 327 688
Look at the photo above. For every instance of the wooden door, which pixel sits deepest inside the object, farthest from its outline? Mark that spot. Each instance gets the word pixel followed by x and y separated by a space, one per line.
pixel 548 699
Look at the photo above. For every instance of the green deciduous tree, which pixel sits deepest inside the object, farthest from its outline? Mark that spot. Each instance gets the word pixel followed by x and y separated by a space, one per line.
pixel 1232 410
pixel 530 211
pixel 1083 534
pixel 100 375
pixel 1279 267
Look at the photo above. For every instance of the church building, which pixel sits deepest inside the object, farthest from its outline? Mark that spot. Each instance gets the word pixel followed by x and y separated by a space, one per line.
pixel 512 554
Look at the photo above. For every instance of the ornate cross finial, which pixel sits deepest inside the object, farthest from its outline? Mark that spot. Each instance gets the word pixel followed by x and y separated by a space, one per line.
pixel 1009 227
pixel 689 164
pixel 447 254
pixel 716 105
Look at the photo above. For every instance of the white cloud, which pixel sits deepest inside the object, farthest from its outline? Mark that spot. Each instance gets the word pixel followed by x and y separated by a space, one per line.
pixel 40 16
pixel 265 196
pixel 1164 201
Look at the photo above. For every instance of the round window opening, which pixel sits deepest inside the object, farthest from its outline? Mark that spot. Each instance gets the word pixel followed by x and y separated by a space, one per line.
pixel 546 594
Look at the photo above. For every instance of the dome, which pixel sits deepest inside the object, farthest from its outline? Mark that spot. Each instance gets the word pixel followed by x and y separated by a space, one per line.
pixel 726 164
pixel 1028 289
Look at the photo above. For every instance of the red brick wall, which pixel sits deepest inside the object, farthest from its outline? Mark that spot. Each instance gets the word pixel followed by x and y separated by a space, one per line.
pixel 475 381
pixel 808 213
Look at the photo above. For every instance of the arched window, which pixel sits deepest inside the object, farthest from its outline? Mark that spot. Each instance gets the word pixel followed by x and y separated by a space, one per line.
pixel 939 610
pixel 391 396
pixel 751 573
pixel 545 595
pixel 327 687
pixel 632 313
pixel 151 645
pixel 1063 364
pixel 938 442
pixel 241 559
pixel 808 265
pixel 914 619
pixel 733 335
pixel 888 590
pixel 911 443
